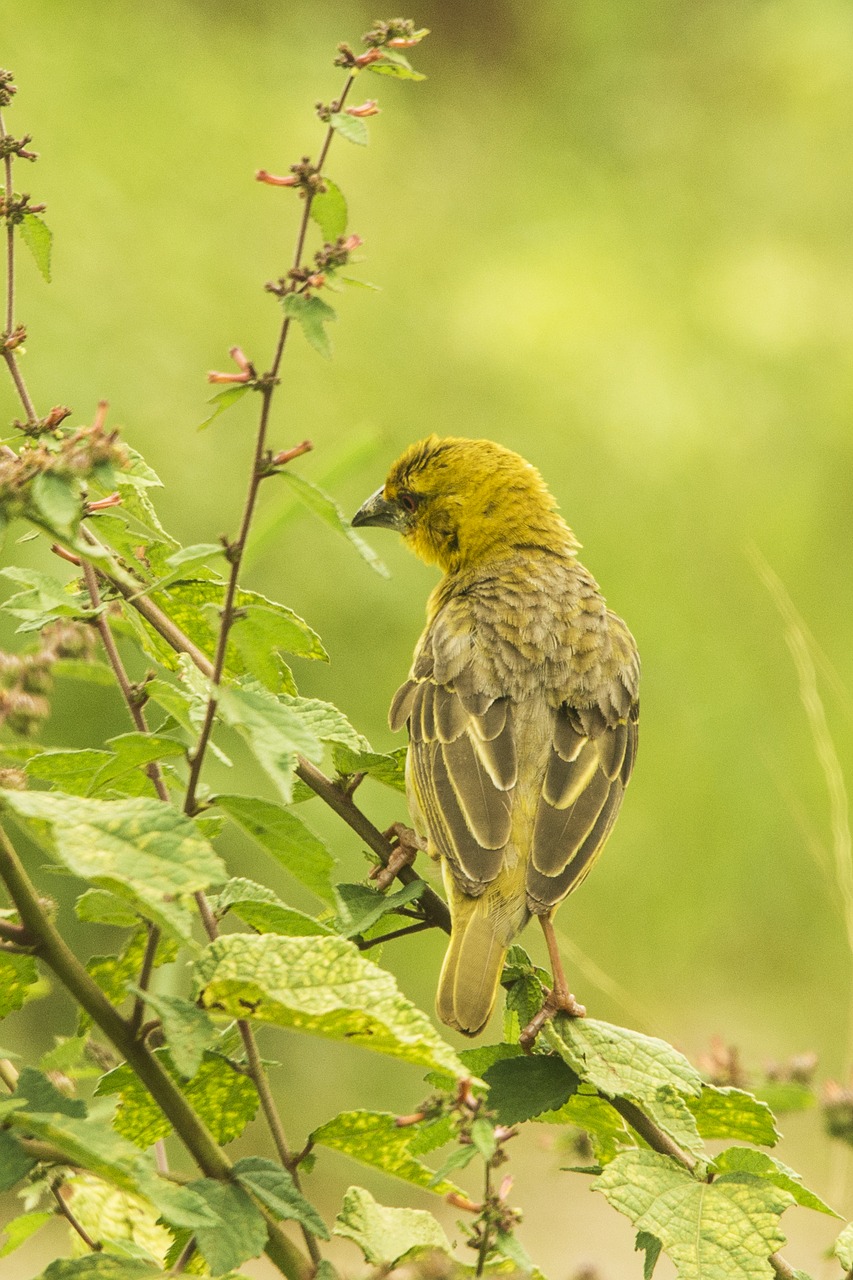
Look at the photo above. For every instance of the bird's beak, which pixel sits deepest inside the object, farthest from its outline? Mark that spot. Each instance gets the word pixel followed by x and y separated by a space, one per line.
pixel 377 511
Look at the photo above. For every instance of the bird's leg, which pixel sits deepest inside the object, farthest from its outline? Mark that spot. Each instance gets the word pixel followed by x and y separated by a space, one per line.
pixel 407 845
pixel 559 999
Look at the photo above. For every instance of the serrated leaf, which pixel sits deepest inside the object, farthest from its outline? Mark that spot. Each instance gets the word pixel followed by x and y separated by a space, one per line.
pixel 459 1158
pixel 621 1063
pixel 287 839
pixel 669 1110
pixel 260 636
pixel 352 128
pixel 276 1189
pixel 483 1137
pixel 17 974
pixel 396 69
pixel 312 315
pixel 68 771
pixel 98 906
pixel 188 1029
pixel 38 238
pixel 41 1095
pixel 58 501
pixel 278 729
pixel 361 906
pixel 733 1113
pixel 390 768
pixel 322 986
pixel 20 1229
pixel 65 1056
pixel 131 751
pixel 100 1266
pixel 123 1223
pixel 240 1232
pixel 141 849
pixel 224 400
pixel 384 1235
pixel 329 211
pixel 743 1160
pixel 92 1144
pixel 44 600
pixel 651 1246
pixel 843 1247
pixel 114 973
pixel 330 513
pixel 374 1139
pixel 523 1087
pixel 507 1245
pixel 15 1162
pixel 726 1228
pixel 603 1125
pixel 225 1099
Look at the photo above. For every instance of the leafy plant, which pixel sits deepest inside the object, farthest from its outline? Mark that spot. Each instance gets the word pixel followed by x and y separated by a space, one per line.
pixel 134 822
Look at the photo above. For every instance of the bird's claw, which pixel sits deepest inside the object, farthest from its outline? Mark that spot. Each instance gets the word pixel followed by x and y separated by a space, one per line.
pixel 408 844
pixel 555 1002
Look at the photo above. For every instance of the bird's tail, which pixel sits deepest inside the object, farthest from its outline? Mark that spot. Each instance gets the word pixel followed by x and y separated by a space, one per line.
pixel 483 929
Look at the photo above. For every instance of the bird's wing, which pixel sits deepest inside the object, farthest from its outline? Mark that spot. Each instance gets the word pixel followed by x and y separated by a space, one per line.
pixel 592 755
pixel 462 760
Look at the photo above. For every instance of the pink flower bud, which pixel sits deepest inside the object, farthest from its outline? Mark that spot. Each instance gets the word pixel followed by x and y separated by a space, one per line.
pixel 352 242
pixel 368 108
pixel 365 59
pixel 462 1202
pixel 114 500
pixel 401 43
pixel 239 359
pixel 316 281
pixel 216 376
pixel 274 179
pixel 287 455
pixel 506 1187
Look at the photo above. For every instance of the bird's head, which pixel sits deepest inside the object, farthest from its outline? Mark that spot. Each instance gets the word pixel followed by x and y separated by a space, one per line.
pixel 461 503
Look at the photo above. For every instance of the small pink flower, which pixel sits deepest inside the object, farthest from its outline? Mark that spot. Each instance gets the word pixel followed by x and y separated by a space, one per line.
pixel 102 504
pixel 274 179
pixel 316 281
pixel 400 42
pixel 239 359
pixel 352 242
pixel 365 59
pixel 287 455
pixel 506 1187
pixel 462 1202
pixel 368 108
pixel 216 376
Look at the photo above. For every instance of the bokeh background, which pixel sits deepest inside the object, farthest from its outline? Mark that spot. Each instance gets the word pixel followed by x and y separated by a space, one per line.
pixel 613 236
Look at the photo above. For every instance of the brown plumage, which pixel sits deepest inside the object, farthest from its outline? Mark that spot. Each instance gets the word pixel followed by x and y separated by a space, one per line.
pixel 521 705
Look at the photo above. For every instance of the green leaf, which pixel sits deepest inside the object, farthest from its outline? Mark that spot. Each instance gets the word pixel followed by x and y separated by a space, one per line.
pixel 483 1137
pixel 135 751
pixel 322 986
pixel 312 314
pixel 40 1095
pixel 38 238
pixel 20 1229
pixel 669 1110
pixel 362 906
pixel 329 211
pixel 92 1144
pixel 82 669
pixel 17 975
pixel 224 400
pixel 732 1113
pixel 188 1029
pixel 390 768
pixel 45 599
pixel 69 771
pixel 786 1095
pixel 843 1248
pixel 114 973
pixel 142 850
pixel 58 500
pixel 287 839
pixel 652 1247
pixel 742 1160
pixel 523 1087
pixel 225 1099
pixel 352 128
pixel 383 1235
pixel 603 1125
pixel 66 1055
pixel 240 1232
pixel 276 1189
pixel 97 906
pixel 264 911
pixel 507 1245
pixel 279 729
pixel 621 1063
pixel 329 511
pixel 259 636
pixel 725 1228
pixel 15 1163
pixel 100 1266
pixel 459 1158
pixel 395 64
pixel 373 1138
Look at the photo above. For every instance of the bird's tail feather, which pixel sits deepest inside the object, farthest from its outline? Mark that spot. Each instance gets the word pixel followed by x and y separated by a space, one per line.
pixel 471 972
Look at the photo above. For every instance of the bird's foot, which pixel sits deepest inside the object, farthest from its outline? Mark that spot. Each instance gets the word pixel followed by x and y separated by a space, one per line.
pixel 407 844
pixel 555 1002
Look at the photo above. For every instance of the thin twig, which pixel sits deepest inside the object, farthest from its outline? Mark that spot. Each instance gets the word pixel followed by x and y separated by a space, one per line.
pixel 185 1255
pixel 236 549
pixel 8 353
pixel 483 1252
pixel 397 933
pixel 56 1190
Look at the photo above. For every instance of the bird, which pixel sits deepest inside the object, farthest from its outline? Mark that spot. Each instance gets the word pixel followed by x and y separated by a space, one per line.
pixel 521 705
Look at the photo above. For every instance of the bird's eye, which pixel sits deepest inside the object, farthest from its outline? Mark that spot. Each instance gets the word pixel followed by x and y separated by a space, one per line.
pixel 408 501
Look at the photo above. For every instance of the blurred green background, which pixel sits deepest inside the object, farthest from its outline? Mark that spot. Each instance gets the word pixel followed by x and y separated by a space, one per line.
pixel 614 237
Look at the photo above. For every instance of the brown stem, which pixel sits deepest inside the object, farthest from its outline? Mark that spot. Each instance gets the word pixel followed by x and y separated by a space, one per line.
pixel 9 356
pixel 185 1255
pixel 483 1252
pixel 397 933
pixel 56 1191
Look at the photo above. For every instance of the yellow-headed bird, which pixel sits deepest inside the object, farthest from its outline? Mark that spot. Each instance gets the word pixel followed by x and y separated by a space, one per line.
pixel 521 705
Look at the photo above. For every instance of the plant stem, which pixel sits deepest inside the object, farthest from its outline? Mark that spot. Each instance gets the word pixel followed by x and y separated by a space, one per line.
pixel 59 958
pixel 397 933
pixel 483 1252
pixel 56 1191
pixel 9 355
